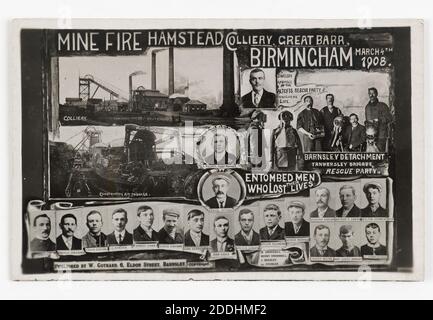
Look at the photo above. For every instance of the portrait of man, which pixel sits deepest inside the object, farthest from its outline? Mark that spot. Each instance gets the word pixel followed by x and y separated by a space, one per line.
pixel 297 226
pixel 258 97
pixel 144 231
pixel 373 246
pixel 246 236
pixel 321 249
pixel 67 240
pixel 195 237
pixel 354 135
pixel 220 187
pixel 169 233
pixel 272 230
pixel 348 249
pixel 120 236
pixel 310 124
pixel 348 207
pixel 95 237
pixel 329 113
pixel 220 155
pixel 322 197
pixel 377 114
pixel 42 229
pixel 286 146
pixel 373 193
pixel 222 242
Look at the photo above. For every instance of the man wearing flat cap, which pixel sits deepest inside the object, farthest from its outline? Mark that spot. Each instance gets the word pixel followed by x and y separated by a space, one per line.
pixel 195 237
pixel 373 192
pixel 220 186
pixel 297 227
pixel 169 233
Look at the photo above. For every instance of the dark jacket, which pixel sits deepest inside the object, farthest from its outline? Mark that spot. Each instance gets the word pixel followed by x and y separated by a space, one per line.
pixel 240 240
pixel 366 250
pixel 354 136
pixel 61 245
pixel 304 231
pixel 355 252
pixel 314 252
pixel 127 239
pixel 204 240
pixel 329 213
pixel 353 213
pixel 380 212
pixel 277 235
pixel 38 245
pixel 141 236
pixel 229 159
pixel 165 238
pixel 230 246
pixel 213 203
pixel 267 100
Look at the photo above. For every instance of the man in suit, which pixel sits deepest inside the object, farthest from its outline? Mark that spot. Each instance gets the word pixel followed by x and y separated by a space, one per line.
pixel 67 240
pixel 220 186
pixel 42 241
pixel 144 231
pixel 169 233
pixel 195 237
pixel 373 246
pixel 272 230
pixel 354 135
pixel 297 227
pixel 348 207
pixel 322 199
pixel 247 236
pixel 348 249
pixel 220 155
pixel 373 192
pixel 329 113
pixel 95 237
pixel 120 236
pixel 222 242
pixel 258 97
pixel 322 235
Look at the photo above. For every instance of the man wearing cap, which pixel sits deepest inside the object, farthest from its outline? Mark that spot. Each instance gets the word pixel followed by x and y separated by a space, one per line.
pixel 258 97
pixel 322 235
pixel 297 227
pixel 144 232
pixel 220 186
pixel 169 233
pixel 322 200
pixel 348 249
pixel 120 236
pixel 373 192
pixel 247 236
pixel 286 146
pixel 42 241
pixel 195 237
pixel 348 207
pixel 220 155
pixel 222 242
pixel 373 246
pixel 272 230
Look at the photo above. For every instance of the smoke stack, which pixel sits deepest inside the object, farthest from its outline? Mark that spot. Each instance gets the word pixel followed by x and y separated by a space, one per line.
pixel 170 71
pixel 130 91
pixel 153 84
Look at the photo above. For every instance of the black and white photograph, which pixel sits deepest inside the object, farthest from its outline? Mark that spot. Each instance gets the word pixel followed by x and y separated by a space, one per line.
pixel 222 241
pixel 246 226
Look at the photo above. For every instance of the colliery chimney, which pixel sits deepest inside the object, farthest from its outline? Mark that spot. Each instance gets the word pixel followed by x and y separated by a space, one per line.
pixel 153 84
pixel 170 71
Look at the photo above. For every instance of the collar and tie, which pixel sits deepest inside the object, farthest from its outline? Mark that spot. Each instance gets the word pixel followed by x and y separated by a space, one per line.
pixel 119 238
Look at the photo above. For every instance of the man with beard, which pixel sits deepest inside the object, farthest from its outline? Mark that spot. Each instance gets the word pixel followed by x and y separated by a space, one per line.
pixel 120 236
pixel 373 192
pixel 222 242
pixel 169 233
pixel 321 237
pixel 310 124
pixel 297 227
pixel 95 237
pixel 144 232
pixel 322 200
pixel 329 113
pixel 247 236
pixel 220 186
pixel 354 135
pixel 258 97
pixel 42 241
pixel 373 246
pixel 195 237
pixel 220 156
pixel 272 230
pixel 378 114
pixel 348 208
pixel 348 249
pixel 67 240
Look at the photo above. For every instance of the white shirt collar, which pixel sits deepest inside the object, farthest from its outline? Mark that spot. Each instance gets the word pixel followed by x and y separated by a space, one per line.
pixel 321 213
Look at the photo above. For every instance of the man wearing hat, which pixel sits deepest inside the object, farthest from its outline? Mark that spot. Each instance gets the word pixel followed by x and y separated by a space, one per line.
pixel 195 237
pixel 169 233
pixel 348 249
pixel 373 192
pixel 286 147
pixel 297 227
pixel 220 186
